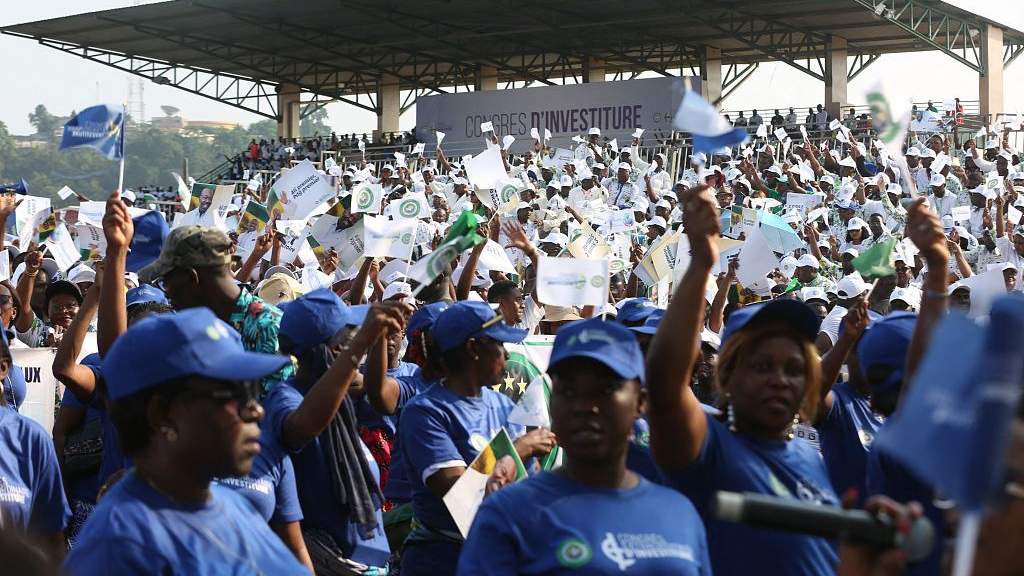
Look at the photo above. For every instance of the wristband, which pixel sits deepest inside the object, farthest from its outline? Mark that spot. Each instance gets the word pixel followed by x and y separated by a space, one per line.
pixel 934 294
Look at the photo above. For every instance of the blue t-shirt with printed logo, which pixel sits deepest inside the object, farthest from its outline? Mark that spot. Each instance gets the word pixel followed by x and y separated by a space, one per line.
pixel 738 463
pixel 320 507
pixel 138 530
pixel 270 486
pixel 847 432
pixel 31 492
pixel 440 429
pixel 549 525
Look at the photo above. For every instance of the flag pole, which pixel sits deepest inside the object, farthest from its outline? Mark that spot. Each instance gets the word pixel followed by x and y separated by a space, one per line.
pixel 120 170
pixel 966 543
pixel 120 176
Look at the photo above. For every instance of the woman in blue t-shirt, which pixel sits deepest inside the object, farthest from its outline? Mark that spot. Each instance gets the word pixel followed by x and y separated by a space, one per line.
pixel 312 416
pixel 387 396
pixel 592 514
pixel 32 496
pixel 445 427
pixel 770 376
pixel 185 416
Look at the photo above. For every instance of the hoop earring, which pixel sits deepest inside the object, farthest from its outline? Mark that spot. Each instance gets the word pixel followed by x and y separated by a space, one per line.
pixel 169 433
pixel 730 414
pixel 792 429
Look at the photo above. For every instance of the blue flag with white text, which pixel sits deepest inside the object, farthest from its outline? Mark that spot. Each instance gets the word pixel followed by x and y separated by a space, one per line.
pixel 99 127
pixel 953 427
pixel 710 131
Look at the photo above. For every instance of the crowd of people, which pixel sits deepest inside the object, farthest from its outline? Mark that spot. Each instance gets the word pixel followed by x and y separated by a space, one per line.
pixel 279 152
pixel 238 419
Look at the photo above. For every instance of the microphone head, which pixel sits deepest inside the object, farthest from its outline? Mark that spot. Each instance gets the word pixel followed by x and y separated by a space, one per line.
pixel 920 540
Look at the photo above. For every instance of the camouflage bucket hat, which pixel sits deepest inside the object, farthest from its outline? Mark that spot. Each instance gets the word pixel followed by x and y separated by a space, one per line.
pixel 189 247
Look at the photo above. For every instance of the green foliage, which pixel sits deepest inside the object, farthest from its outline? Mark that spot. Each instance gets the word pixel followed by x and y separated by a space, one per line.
pixel 44 122
pixel 314 122
pixel 150 157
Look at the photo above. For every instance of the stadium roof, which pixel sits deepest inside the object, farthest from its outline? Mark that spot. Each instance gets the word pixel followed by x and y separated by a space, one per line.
pixel 241 51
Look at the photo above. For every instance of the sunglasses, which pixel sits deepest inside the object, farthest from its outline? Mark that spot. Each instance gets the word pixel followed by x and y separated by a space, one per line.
pixel 247 394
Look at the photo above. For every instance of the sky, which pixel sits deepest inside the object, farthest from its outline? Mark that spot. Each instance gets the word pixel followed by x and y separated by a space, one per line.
pixel 63 82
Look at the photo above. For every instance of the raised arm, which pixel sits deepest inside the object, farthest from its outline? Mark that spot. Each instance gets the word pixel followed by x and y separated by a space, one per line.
pixel 26 286
pixel 678 424
pixel 854 324
pixel 113 314
pixel 358 286
pixel 517 238
pixel 381 390
pixel 717 319
pixel 324 398
pixel 925 230
pixel 469 273
pixel 79 379
pixel 263 244
pixel 442 159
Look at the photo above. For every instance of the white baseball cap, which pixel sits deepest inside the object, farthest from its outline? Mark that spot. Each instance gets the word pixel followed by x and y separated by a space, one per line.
pixel 657 221
pixel 595 131
pixel 851 286
pixel 808 260
pixel 856 224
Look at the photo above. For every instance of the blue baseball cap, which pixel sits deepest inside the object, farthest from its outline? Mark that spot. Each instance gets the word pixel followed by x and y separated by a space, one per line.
pixel 424 317
pixel 312 319
pixel 145 293
pixel 635 309
pixel 885 343
pixel 469 319
pixel 793 313
pixel 193 342
pixel 650 326
pixel 846 205
pixel 150 232
pixel 609 343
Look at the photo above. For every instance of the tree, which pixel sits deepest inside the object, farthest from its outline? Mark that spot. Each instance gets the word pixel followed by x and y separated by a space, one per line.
pixel 314 122
pixel 44 122
pixel 263 130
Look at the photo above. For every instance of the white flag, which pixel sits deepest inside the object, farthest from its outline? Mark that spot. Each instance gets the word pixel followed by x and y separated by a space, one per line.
pixel 367 198
pixel 90 241
pixel 298 193
pixel 388 238
pixel 414 205
pixel 62 247
pixel 65 193
pixel 571 281
pixel 485 168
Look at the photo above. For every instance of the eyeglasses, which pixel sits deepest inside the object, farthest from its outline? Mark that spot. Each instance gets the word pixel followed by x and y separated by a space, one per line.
pixel 5 299
pixel 70 307
pixel 247 394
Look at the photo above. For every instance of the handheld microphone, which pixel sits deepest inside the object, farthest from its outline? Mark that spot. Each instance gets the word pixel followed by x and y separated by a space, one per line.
pixel 829 522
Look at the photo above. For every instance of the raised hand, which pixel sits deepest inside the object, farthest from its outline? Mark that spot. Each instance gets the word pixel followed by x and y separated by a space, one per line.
pixel 700 219
pixel 118 227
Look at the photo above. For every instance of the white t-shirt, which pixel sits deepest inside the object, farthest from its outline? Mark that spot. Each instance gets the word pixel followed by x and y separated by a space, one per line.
pixel 830 325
